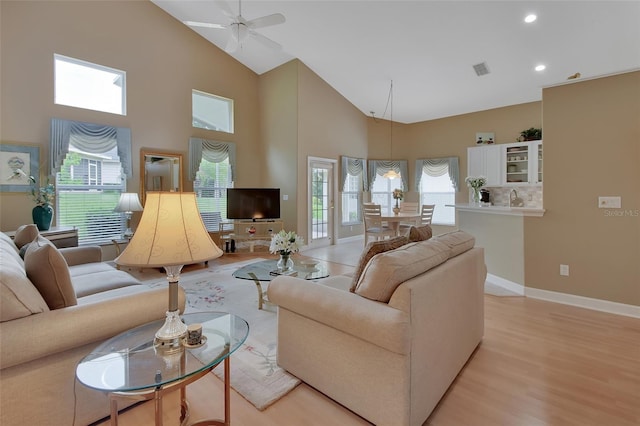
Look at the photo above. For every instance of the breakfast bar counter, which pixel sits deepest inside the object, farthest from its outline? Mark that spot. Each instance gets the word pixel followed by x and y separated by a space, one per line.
pixel 503 210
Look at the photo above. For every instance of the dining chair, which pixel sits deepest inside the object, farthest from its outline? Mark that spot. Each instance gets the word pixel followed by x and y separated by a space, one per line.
pixel 408 207
pixel 373 226
pixel 427 214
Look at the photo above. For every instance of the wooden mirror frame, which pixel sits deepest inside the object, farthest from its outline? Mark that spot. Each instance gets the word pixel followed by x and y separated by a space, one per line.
pixel 169 179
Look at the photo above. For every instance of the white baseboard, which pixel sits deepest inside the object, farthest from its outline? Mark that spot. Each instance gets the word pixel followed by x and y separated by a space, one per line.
pixel 567 299
pixel 509 285
pixel 351 239
pixel 584 302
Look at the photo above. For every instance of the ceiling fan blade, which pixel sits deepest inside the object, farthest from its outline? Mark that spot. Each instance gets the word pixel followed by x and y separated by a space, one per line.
pixel 204 25
pixel 224 6
pixel 266 21
pixel 265 41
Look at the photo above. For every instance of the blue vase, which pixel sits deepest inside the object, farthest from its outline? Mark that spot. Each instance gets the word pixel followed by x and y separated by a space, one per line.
pixel 42 216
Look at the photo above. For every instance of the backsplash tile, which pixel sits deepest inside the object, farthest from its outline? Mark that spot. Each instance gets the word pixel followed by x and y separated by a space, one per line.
pixel 531 195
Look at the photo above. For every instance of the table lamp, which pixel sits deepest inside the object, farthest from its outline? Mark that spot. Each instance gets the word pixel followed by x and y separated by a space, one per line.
pixel 171 234
pixel 127 204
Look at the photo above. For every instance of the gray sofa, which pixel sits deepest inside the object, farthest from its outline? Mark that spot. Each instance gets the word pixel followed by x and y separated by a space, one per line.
pixel 389 349
pixel 57 305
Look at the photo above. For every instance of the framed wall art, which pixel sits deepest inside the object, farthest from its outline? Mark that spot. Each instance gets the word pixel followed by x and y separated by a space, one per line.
pixel 17 163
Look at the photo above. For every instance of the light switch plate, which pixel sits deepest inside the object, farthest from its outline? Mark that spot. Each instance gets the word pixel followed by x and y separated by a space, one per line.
pixel 610 202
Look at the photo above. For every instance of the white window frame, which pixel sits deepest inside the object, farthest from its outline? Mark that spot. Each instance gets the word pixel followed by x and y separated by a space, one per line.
pixel 442 215
pixel 382 191
pixel 211 222
pixel 200 114
pixel 77 91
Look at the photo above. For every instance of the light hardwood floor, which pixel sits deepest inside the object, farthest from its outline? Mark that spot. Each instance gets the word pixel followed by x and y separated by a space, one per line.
pixel 540 363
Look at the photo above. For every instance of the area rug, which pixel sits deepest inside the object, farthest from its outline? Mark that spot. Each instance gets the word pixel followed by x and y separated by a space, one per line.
pixel 254 372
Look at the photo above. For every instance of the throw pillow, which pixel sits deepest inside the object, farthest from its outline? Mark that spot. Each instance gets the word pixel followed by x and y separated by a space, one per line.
pixel 25 234
pixel 457 241
pixel 373 248
pixel 387 271
pixel 19 297
pixel 49 273
pixel 420 233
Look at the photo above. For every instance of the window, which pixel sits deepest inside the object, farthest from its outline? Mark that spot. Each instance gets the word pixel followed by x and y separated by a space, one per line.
pixel 211 168
pixel 88 187
pixel 85 85
pixel 382 191
pixel 353 174
pixel 438 184
pixel 210 186
pixel 352 200
pixel 212 112
pixel 91 163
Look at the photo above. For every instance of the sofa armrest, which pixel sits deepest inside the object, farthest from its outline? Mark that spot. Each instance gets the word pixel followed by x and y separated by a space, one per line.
pixel 39 335
pixel 81 255
pixel 350 313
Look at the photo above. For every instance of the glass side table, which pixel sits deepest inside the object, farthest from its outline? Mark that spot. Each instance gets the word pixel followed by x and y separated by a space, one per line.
pixel 129 366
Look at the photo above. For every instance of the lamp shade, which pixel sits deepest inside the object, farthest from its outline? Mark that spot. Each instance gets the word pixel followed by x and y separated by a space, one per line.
pixel 170 233
pixel 129 202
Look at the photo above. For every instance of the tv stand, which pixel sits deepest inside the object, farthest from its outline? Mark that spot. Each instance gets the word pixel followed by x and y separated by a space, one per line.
pixel 235 236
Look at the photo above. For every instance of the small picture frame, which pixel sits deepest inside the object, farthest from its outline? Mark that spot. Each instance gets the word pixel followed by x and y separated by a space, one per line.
pixel 484 138
pixel 17 163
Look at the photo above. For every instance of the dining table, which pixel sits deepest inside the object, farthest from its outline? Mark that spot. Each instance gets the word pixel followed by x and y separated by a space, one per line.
pixel 394 219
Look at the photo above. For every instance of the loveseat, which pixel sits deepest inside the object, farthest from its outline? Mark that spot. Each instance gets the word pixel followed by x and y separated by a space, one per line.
pixel 57 305
pixel 388 349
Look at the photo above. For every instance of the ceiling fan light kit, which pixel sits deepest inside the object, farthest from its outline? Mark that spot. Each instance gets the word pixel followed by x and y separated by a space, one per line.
pixel 240 30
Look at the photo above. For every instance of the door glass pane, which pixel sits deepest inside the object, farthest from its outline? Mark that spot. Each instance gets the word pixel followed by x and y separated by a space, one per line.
pixel 319 203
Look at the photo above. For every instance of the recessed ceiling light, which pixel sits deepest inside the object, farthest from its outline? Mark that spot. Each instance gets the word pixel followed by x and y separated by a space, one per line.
pixel 530 18
pixel 540 67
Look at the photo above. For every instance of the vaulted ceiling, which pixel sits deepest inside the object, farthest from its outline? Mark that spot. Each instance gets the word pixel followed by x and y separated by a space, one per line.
pixel 429 48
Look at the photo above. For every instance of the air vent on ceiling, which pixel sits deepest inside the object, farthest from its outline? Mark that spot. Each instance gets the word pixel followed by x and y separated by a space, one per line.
pixel 481 69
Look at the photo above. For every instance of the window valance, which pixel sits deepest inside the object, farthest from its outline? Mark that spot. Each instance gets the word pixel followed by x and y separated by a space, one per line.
pixel 354 167
pixel 380 167
pixel 437 167
pixel 88 137
pixel 213 151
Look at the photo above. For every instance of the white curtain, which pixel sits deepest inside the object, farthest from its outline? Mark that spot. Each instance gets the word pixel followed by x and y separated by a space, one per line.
pixel 212 151
pixel 88 137
pixel 437 167
pixel 354 167
pixel 380 167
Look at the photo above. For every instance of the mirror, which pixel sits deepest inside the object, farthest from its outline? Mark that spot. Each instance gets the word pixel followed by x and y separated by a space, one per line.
pixel 160 171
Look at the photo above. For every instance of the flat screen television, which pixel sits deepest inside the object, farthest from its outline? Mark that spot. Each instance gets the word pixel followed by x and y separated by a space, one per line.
pixel 253 203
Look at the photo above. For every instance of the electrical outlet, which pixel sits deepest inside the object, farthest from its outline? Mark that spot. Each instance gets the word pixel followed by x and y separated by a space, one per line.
pixel 610 202
pixel 285 197
pixel 564 270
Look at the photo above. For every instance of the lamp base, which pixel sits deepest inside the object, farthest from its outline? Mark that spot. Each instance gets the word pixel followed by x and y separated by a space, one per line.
pixel 172 333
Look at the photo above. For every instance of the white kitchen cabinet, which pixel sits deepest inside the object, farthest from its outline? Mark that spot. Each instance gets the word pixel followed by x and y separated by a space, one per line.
pixel 522 163
pixel 487 161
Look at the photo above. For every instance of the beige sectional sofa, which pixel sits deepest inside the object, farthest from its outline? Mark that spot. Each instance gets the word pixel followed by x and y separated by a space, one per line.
pixel 57 305
pixel 389 349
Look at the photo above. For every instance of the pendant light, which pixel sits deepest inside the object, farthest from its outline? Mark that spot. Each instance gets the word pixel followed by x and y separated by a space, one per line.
pixel 391 174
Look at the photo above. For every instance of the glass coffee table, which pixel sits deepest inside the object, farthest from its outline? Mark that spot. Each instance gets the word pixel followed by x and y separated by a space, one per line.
pixel 130 366
pixel 265 271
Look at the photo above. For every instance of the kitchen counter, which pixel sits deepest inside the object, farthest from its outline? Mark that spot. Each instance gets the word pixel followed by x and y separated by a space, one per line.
pixel 502 210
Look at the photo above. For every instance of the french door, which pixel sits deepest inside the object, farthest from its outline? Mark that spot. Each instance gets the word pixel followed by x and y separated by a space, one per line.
pixel 321 190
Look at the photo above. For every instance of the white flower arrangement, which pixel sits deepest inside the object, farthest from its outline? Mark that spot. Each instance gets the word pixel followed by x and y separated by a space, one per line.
pixel 476 182
pixel 285 243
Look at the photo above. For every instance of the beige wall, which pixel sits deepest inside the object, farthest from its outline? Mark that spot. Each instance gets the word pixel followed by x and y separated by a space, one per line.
pixel 164 60
pixel 591 149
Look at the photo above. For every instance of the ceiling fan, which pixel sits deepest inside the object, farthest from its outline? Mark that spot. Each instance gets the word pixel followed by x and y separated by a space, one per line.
pixel 240 29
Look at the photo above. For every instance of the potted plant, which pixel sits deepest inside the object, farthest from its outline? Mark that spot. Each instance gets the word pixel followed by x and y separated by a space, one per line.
pixel 531 134
pixel 42 213
pixel 285 244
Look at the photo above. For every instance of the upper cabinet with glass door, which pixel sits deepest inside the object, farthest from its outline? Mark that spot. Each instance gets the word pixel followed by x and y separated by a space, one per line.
pixel 522 163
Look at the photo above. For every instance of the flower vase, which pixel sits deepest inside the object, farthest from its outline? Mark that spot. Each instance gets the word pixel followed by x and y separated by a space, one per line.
pixel 396 209
pixel 476 195
pixel 42 216
pixel 285 263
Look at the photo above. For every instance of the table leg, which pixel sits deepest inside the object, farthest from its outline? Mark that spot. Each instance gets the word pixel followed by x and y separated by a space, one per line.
pixel 113 403
pixel 158 402
pixel 259 287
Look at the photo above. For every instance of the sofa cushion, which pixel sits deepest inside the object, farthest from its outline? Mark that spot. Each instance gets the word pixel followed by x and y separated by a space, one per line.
pixel 18 297
pixel 48 271
pixel 373 248
pixel 420 233
pixel 386 271
pixel 457 241
pixel 102 278
pixel 25 234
